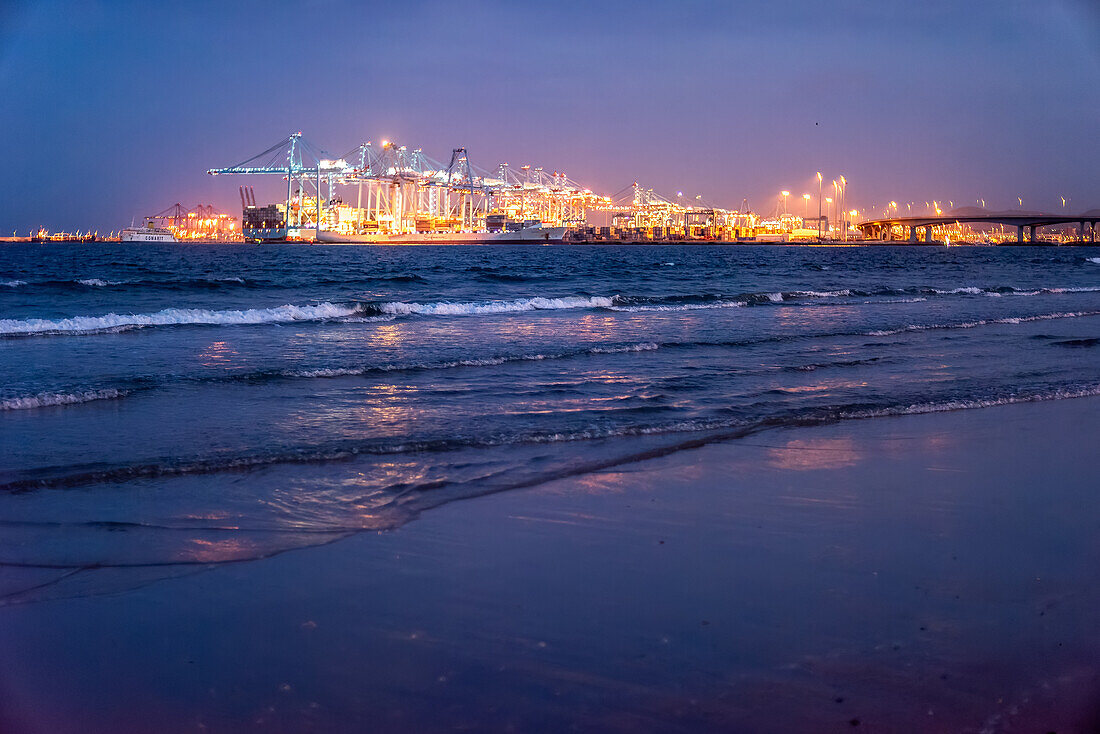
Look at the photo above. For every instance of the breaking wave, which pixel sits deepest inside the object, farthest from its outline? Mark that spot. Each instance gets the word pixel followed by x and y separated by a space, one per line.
pixel 448 308
pixel 946 406
pixel 50 399
pixel 13 283
pixel 174 317
pixel 370 311
pixel 678 307
pixel 983 322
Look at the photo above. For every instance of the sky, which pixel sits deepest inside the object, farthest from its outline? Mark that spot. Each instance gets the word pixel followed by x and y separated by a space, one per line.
pixel 112 110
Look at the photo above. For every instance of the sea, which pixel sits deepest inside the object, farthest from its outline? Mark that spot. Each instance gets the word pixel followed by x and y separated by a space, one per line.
pixel 168 408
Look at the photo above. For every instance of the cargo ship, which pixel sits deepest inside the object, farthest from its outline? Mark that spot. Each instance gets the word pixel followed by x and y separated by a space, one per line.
pixel 268 224
pixel 533 233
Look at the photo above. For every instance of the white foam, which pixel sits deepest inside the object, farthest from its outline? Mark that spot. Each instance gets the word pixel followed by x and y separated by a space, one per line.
pixel 48 399
pixel 643 347
pixel 447 308
pixel 679 307
pixel 1095 260
pixel 951 405
pixel 331 372
pixel 175 316
pixel 984 322
pixel 97 282
pixel 822 294
pixel 967 290
pixel 1072 289
pixel 13 283
pixel 775 297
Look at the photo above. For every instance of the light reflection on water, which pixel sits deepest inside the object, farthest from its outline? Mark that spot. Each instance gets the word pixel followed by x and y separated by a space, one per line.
pixel 313 427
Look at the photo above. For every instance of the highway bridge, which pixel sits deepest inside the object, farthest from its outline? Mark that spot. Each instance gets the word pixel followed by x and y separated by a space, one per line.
pixel 1024 222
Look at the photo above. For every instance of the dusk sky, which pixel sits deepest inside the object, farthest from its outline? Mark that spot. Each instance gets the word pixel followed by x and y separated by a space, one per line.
pixel 114 110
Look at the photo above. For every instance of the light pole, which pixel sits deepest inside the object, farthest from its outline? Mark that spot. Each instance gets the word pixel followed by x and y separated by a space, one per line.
pixel 843 202
pixel 836 198
pixel 806 198
pixel 828 212
pixel 784 194
pixel 819 205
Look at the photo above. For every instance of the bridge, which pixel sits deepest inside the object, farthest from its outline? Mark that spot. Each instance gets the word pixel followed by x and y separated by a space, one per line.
pixel 1024 222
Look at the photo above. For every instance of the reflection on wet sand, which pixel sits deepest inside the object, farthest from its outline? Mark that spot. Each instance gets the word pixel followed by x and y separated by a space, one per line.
pixel 809 454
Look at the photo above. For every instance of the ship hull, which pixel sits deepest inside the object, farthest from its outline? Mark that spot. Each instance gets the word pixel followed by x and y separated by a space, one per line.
pixel 528 236
pixel 146 234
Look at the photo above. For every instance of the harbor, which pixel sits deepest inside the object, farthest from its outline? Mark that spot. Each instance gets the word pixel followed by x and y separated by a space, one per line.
pixel 389 194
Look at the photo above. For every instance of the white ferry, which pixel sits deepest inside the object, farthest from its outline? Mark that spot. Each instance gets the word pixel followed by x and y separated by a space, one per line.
pixel 146 234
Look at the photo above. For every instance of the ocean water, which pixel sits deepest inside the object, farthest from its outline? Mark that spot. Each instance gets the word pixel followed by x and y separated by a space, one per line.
pixel 167 408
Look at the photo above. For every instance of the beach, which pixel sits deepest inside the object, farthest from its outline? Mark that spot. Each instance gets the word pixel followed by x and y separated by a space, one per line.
pixel 931 572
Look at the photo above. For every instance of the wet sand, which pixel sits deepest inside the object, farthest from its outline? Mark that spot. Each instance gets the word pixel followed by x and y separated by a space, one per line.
pixel 922 573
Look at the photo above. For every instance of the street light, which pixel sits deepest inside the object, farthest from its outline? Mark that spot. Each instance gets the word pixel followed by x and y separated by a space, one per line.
pixel 844 200
pixel 819 205
pixel 828 212
pixel 784 194
pixel 836 197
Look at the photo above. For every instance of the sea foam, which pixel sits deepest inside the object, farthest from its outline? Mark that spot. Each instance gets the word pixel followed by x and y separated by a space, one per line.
pixel 174 317
pixel 983 322
pixel 50 399
pixel 448 308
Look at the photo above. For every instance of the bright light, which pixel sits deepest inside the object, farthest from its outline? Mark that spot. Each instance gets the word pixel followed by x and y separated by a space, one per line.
pixel 806 197
pixel 828 200
pixel 785 193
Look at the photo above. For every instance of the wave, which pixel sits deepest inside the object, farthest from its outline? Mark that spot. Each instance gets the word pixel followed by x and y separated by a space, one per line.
pixel 713 430
pixel 174 317
pixel 80 284
pixel 371 311
pixel 1094 260
pixel 1076 343
pixel 449 308
pixel 483 362
pixel 680 307
pixel 946 406
pixel 982 322
pixel 13 283
pixel 50 399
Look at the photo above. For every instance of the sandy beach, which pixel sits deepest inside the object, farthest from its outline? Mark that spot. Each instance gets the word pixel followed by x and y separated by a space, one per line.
pixel 931 572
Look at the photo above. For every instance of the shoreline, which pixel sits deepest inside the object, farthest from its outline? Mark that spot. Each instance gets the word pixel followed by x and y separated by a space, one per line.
pixel 920 571
pixel 592 243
